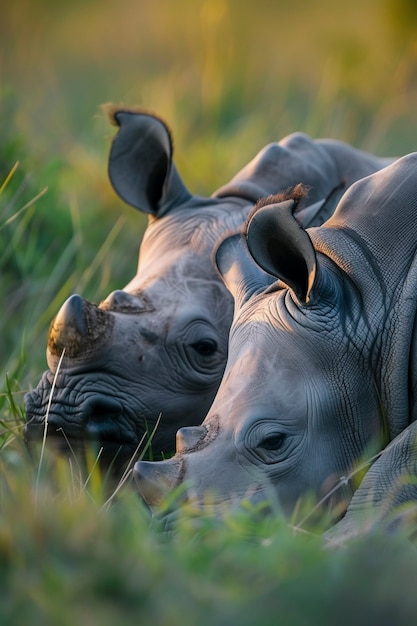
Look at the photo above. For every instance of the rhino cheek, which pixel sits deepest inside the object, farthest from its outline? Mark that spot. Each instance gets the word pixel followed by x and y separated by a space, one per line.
pixel 214 471
pixel 220 473
pixel 216 474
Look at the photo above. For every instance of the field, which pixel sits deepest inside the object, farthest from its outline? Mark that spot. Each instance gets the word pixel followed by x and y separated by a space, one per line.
pixel 229 76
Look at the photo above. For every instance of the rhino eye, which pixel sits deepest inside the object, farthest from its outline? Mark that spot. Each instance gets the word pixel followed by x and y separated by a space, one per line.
pixel 205 347
pixel 273 442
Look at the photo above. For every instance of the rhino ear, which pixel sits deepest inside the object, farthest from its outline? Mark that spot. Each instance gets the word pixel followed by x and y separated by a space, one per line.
pixel 140 162
pixel 282 247
pixel 240 274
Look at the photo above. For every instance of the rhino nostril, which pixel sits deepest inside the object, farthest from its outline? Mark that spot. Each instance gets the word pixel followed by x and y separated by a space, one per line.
pixel 100 409
pixel 101 420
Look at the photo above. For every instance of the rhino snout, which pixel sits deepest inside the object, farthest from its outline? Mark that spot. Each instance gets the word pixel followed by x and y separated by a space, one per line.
pixel 80 328
pixel 156 479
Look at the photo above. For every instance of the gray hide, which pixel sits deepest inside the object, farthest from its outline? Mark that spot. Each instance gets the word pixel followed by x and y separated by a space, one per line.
pixel 320 374
pixel 387 497
pixel 154 353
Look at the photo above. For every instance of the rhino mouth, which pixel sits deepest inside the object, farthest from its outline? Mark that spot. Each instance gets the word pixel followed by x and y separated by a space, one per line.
pixel 103 444
pixel 79 417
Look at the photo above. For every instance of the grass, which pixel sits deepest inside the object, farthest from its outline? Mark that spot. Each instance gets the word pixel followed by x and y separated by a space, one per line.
pixel 66 557
pixel 228 79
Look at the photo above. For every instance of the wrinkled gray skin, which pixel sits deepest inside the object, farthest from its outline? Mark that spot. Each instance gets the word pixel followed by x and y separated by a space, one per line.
pixel 387 497
pixel 157 348
pixel 321 368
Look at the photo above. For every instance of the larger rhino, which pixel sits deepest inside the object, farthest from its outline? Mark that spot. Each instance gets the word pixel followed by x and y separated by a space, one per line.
pixel 322 364
pixel 153 354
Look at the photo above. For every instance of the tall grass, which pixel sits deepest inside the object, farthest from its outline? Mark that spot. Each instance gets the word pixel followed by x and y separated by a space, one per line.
pixel 229 77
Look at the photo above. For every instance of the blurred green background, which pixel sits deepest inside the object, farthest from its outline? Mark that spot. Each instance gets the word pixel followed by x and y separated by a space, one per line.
pixel 229 76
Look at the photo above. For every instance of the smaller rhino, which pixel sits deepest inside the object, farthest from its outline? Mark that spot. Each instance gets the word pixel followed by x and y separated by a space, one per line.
pixel 151 356
pixel 322 363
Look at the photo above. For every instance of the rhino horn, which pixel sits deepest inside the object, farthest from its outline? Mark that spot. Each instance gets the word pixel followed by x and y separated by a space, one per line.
pixel 188 438
pixel 125 302
pixel 141 169
pixel 79 327
pixel 156 479
pixel 282 247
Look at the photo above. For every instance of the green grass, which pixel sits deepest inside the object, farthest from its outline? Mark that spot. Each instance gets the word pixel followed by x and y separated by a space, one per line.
pixel 228 78
pixel 68 557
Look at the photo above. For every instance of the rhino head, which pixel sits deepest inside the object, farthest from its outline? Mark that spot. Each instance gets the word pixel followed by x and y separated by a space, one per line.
pixel 322 363
pixel 150 357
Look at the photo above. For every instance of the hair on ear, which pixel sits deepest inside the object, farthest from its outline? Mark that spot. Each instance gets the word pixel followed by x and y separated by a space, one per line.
pixel 110 110
pixel 296 193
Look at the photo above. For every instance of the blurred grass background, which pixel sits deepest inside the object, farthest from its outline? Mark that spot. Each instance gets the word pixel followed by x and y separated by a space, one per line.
pixel 228 76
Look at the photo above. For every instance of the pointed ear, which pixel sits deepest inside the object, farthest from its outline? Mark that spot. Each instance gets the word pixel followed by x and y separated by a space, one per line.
pixel 282 247
pixel 240 274
pixel 140 163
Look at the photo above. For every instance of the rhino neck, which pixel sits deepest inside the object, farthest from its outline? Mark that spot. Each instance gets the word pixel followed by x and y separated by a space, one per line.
pixel 383 311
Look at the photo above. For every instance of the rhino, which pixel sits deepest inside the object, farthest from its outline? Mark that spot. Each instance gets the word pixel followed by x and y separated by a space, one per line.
pixel 322 361
pixel 150 357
